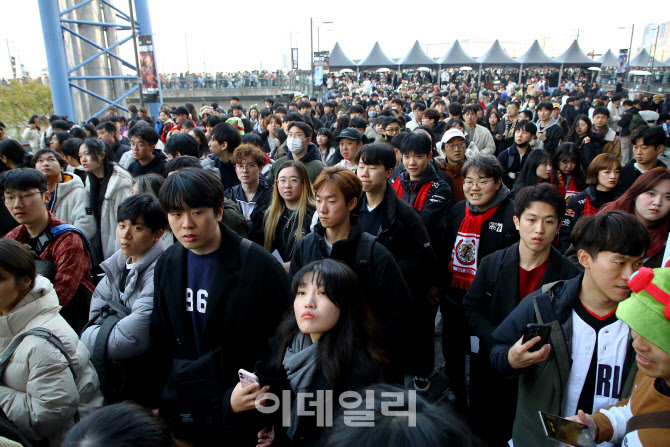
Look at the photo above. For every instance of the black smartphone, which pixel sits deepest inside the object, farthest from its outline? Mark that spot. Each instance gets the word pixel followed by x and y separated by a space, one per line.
pixel 565 431
pixel 534 330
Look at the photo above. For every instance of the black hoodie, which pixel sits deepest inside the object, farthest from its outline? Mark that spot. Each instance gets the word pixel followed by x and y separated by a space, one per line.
pixel 155 166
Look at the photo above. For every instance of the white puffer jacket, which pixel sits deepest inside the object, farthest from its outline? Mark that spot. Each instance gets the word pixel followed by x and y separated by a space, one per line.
pixel 40 393
pixel 119 187
pixel 71 204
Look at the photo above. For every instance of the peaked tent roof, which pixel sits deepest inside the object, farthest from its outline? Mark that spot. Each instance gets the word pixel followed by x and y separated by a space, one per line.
pixel 377 59
pixel 338 59
pixel 575 57
pixel 416 57
pixel 456 57
pixel 497 57
pixel 609 59
pixel 643 59
pixel 535 56
pixel 667 62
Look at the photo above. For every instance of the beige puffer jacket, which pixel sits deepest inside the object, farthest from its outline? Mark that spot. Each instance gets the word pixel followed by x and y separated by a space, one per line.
pixel 38 391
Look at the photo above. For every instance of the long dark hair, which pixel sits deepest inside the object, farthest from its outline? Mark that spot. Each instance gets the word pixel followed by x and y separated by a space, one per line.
pixel 576 138
pixel 342 123
pixel 528 174
pixel 351 339
pixel 570 150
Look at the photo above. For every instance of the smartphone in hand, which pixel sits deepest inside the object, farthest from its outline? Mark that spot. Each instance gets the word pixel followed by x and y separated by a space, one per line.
pixel 534 330
pixel 247 378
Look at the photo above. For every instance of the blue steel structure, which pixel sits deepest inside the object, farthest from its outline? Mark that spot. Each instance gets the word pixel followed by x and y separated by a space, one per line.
pixel 55 23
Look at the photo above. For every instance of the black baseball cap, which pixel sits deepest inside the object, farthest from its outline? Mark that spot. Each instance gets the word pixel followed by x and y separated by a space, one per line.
pixel 351 134
pixel 181 110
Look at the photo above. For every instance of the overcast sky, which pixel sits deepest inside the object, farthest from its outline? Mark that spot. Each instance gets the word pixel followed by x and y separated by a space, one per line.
pixel 231 36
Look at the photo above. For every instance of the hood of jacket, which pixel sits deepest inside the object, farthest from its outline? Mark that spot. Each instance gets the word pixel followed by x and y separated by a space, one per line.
pixel 69 184
pixel 502 194
pixel 42 299
pixel 439 127
pixel 159 157
pixel 311 155
pixel 114 266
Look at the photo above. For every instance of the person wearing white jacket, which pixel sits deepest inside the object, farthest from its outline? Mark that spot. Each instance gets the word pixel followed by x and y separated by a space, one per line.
pixel 42 393
pixel 129 281
pixel 107 185
pixel 69 200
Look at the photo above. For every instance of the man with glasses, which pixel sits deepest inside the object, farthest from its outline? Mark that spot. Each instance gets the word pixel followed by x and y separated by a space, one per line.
pixel 476 227
pixel 453 146
pixel 25 195
pixel 254 193
pixel 391 126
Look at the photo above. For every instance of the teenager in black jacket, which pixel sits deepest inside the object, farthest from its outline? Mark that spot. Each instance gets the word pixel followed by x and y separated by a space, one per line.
pixel 212 315
pixel 503 279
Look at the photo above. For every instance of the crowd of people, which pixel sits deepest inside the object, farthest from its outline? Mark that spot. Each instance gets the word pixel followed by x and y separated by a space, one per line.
pixel 275 275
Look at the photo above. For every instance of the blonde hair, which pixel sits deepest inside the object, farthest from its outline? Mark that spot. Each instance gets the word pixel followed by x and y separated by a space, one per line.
pixel 278 205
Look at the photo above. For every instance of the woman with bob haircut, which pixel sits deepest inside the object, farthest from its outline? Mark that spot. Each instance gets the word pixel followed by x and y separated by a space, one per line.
pixel 325 342
pixel 289 215
pixel 649 200
pixel 107 184
pixel 603 178
pixel 43 392
pixel 588 143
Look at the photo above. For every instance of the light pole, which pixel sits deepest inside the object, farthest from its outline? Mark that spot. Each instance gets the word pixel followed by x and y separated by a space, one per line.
pixel 653 57
pixel 630 49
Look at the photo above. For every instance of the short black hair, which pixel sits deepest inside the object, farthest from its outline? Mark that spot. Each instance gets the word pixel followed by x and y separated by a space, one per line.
pixel 226 133
pixel 397 139
pixel 526 125
pixel 356 108
pixel 191 188
pixel 77 132
pixel 455 109
pixel 419 105
pixel 62 124
pixel 59 158
pixel 487 164
pixel 541 192
pixel 182 144
pixel 651 136
pixel 13 150
pixel 470 108
pixel 252 138
pixel 390 120
pixel 22 179
pixel 601 111
pixel 358 123
pixel 547 105
pixel 185 161
pixel 305 104
pixel 306 128
pixel 628 103
pixel 146 206
pixel 417 143
pixel 107 126
pixel 147 133
pixel 238 107
pixel 71 148
pixel 213 120
pixel 615 231
pixel 376 154
pixel 294 116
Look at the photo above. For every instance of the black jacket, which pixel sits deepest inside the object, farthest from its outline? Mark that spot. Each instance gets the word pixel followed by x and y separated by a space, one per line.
pixel 569 113
pixel 512 161
pixel 242 314
pixel 263 197
pixel 625 121
pixel 119 149
pixel 155 166
pixel 587 151
pixel 383 286
pixel 439 128
pixel 629 173
pixel 438 203
pixel 575 210
pixel 554 133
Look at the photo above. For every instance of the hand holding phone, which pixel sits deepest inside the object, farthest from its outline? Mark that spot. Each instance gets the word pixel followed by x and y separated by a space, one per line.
pixel 566 431
pixel 247 378
pixel 534 330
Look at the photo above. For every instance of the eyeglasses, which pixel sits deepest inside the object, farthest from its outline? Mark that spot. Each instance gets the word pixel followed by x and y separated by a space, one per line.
pixel 292 181
pixel 480 183
pixel 393 130
pixel 9 200
pixel 246 167
pixel 454 146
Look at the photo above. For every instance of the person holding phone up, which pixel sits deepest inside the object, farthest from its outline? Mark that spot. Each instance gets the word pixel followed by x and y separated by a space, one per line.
pixel 588 363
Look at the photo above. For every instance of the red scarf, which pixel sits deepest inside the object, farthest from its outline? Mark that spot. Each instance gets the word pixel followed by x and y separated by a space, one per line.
pixel 568 191
pixel 589 209
pixel 463 263
pixel 421 198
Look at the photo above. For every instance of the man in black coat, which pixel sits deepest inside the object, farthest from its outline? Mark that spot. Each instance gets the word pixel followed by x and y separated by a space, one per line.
pixel 340 236
pixel 217 300
pixel 147 159
pixel 503 279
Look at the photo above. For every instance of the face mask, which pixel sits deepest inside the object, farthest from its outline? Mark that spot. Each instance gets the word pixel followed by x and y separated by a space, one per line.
pixel 372 114
pixel 294 145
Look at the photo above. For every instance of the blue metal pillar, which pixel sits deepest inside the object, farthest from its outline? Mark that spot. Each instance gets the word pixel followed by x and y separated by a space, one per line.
pixel 56 59
pixel 143 17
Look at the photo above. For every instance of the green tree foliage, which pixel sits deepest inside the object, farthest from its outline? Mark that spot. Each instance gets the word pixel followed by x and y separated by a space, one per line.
pixel 20 100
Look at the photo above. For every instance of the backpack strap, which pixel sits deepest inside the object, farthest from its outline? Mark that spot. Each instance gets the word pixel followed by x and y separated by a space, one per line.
pixel 364 252
pixel 658 419
pixel 56 231
pixel 38 332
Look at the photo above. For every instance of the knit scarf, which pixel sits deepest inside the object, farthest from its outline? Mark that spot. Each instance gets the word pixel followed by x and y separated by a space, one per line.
pixel 463 263
pixel 589 209
pixel 301 368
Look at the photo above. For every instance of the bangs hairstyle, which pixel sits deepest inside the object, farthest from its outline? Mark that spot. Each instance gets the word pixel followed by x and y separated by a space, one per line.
pixel 17 260
pixel 22 179
pixel 376 154
pixel 146 133
pixel 146 206
pixel 96 148
pixel 615 231
pixel 13 150
pixel 542 192
pixel 526 125
pixel 249 150
pixel 484 164
pixel 71 148
pixel 570 151
pixel 354 334
pixel 343 179
pixel 600 163
pixel 277 206
pixel 149 184
pixel 191 188
pixel 645 183
pixel 417 143
pixel 59 158
pixel 182 144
